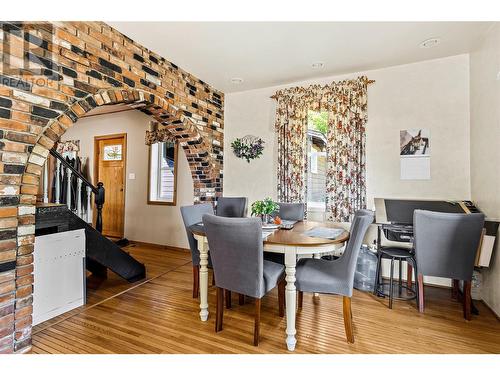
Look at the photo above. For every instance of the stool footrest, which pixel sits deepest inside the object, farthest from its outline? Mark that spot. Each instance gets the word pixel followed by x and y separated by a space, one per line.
pixel 405 293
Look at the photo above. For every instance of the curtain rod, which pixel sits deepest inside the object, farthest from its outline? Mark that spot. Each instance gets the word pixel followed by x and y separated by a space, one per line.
pixel 368 82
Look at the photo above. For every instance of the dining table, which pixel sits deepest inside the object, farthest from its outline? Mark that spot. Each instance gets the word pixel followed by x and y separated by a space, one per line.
pixel 292 243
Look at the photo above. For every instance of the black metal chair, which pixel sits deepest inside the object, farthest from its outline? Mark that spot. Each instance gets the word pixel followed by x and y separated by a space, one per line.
pixel 400 254
pixel 386 289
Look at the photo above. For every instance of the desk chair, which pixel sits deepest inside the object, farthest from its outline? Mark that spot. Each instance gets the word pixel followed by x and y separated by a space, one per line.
pixel 336 277
pixel 237 254
pixel 231 207
pixel 193 215
pixel 446 246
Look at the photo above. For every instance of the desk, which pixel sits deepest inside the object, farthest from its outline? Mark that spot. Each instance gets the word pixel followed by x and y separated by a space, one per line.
pixel 289 242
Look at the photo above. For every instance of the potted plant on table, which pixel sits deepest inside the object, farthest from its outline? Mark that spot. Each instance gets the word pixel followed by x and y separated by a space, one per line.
pixel 264 209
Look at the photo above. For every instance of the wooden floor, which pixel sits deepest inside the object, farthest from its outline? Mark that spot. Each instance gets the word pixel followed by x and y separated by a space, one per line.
pixel 159 316
pixel 157 260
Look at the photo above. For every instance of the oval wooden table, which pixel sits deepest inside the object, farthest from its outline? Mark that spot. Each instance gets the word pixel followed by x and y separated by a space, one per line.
pixel 289 242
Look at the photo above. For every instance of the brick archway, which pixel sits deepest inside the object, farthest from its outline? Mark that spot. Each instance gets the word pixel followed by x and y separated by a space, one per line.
pixel 52 73
pixel 168 117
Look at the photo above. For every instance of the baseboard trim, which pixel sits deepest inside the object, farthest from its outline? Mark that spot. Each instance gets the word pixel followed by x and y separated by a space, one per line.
pixel 489 308
pixel 159 246
pixel 425 283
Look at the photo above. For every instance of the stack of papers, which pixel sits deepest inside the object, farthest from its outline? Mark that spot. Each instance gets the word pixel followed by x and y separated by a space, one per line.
pixel 322 232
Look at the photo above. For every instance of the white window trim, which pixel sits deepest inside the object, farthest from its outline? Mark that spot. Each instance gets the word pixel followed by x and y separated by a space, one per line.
pixel 155 169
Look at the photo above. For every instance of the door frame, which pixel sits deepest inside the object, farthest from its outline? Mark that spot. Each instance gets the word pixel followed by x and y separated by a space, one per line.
pixel 98 138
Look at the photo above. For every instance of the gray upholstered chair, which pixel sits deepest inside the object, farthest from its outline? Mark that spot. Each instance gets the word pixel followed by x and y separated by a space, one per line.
pixel 291 211
pixel 446 246
pixel 236 247
pixel 336 277
pixel 231 207
pixel 193 215
pixel 287 211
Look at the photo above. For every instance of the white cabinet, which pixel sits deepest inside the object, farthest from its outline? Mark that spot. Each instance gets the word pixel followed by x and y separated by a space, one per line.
pixel 59 271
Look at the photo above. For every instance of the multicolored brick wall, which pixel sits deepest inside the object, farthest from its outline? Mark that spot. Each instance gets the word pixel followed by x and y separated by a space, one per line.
pixel 51 74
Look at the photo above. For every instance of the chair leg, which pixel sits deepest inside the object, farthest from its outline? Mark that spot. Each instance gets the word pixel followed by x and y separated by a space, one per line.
pixel 256 329
pixel 420 280
pixel 467 300
pixel 241 299
pixel 414 266
pixel 196 281
pixel 454 289
pixel 346 303
pixel 281 298
pixel 400 281
pixel 219 310
pixel 391 283
pixel 409 276
pixel 377 274
pixel 213 278
pixel 301 299
pixel 228 299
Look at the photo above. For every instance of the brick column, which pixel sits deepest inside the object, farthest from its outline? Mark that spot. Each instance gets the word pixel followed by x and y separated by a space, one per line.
pixel 81 65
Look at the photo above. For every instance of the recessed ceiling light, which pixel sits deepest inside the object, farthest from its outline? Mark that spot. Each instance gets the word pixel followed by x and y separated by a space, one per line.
pixel 429 43
pixel 318 65
pixel 236 81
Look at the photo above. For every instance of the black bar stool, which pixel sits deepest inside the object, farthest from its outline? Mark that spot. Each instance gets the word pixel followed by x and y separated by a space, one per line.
pixel 386 289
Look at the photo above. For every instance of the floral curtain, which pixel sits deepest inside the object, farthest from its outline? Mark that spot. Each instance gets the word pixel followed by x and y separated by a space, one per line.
pixel 345 150
pixel 346 104
pixel 292 153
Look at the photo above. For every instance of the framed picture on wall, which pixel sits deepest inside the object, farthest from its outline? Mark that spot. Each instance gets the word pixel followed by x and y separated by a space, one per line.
pixel 414 153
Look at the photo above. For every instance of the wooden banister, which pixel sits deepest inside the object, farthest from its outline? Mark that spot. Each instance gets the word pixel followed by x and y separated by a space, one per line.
pixel 98 190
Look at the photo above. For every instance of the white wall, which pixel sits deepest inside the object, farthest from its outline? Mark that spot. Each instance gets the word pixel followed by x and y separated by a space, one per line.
pixel 146 223
pixel 485 146
pixel 431 94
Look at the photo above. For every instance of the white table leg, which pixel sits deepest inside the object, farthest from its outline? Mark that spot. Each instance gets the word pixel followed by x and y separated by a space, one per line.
pixel 316 256
pixel 290 296
pixel 203 248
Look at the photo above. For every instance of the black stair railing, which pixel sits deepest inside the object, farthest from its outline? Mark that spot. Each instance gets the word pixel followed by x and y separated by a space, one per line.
pixel 99 192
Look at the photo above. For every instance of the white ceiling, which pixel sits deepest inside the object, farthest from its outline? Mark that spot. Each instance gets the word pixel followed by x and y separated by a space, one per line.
pixel 272 53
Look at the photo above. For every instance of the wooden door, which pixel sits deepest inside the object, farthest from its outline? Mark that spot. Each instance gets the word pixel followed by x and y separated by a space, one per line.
pixel 110 155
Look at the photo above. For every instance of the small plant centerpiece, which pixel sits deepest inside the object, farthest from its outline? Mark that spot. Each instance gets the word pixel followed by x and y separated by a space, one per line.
pixel 264 209
pixel 249 147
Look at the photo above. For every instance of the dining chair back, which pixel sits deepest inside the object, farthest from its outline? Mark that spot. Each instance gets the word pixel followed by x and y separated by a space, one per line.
pixel 236 247
pixel 347 262
pixel 291 211
pixel 336 277
pixel 192 215
pixel 237 253
pixel 231 207
pixel 446 246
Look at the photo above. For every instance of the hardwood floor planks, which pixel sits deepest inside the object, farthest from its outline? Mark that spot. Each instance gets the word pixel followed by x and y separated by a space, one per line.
pixel 160 316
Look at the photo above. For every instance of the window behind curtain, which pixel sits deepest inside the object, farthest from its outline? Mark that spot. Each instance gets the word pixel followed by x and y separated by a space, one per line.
pixel 316 158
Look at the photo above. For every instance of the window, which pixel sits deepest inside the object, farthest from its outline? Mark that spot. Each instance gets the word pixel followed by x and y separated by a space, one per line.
pixel 162 173
pixel 316 171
